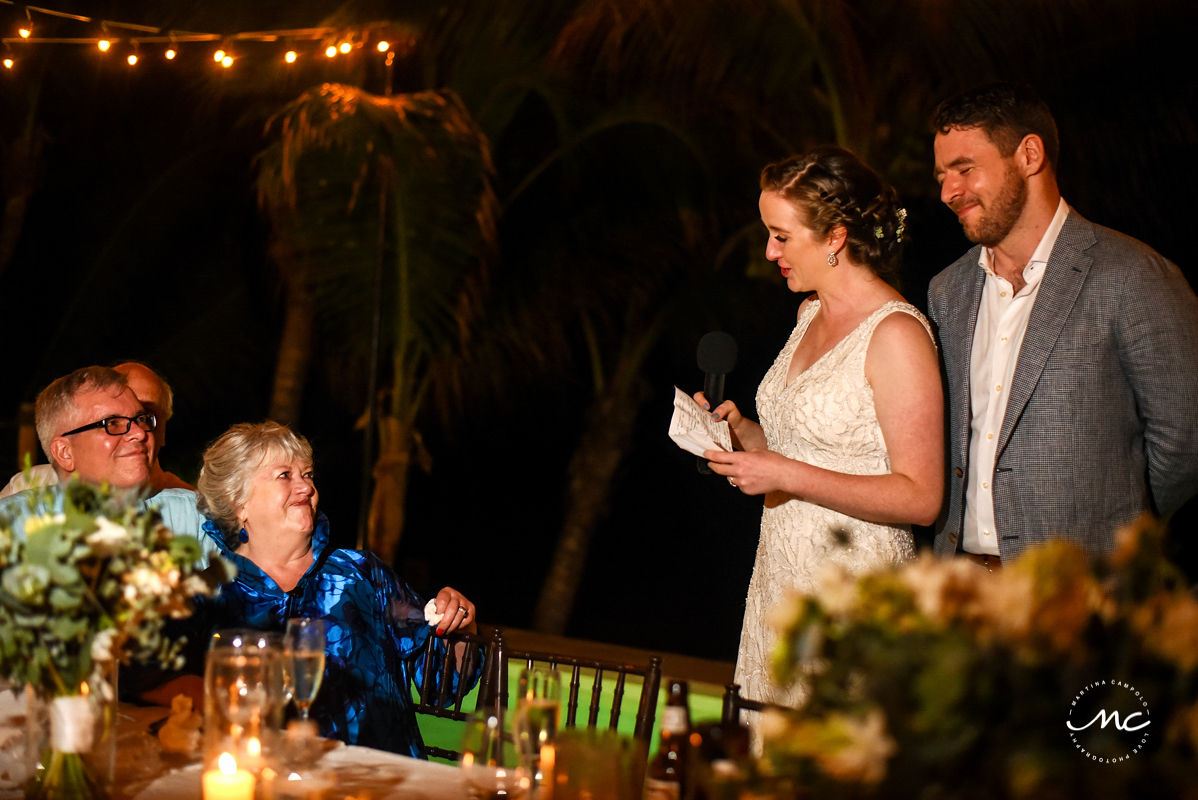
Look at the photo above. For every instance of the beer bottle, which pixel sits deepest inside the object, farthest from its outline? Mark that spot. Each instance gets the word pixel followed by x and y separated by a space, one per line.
pixel 666 778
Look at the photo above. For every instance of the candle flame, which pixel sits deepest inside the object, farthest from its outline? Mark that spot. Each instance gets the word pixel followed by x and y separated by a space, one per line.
pixel 227 764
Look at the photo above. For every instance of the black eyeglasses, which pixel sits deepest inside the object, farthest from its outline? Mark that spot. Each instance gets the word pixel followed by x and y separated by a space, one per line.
pixel 119 426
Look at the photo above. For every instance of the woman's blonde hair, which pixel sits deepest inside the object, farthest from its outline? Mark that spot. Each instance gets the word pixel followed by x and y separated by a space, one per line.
pixel 232 459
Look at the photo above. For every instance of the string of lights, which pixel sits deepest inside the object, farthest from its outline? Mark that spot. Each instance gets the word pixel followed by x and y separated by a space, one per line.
pixel 132 39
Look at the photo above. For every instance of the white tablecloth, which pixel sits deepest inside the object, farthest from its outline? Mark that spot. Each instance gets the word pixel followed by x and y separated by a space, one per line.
pixel 357 773
pixel 145 772
pixel 346 772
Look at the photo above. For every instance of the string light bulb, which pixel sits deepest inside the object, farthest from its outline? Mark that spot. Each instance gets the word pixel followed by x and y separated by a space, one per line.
pixel 164 43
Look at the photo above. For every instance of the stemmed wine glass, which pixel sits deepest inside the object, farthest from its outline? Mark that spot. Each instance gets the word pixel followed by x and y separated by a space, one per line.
pixel 305 642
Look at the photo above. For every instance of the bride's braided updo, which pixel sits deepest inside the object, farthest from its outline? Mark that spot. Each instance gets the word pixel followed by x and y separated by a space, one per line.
pixel 830 186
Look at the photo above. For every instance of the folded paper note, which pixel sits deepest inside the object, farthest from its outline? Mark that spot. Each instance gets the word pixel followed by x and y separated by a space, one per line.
pixel 694 430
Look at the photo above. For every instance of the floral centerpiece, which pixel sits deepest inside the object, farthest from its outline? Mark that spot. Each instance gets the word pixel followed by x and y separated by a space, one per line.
pixel 1055 677
pixel 88 579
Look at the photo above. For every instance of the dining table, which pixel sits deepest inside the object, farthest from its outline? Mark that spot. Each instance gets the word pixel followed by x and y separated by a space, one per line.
pixel 333 770
pixel 144 770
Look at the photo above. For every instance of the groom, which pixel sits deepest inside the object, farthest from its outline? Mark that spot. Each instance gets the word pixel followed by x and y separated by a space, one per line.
pixel 1071 350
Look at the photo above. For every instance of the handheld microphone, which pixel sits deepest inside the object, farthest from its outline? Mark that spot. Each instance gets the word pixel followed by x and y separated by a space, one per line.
pixel 716 356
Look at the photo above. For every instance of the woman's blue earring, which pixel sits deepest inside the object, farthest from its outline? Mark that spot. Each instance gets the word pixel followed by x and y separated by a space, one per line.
pixel 243 536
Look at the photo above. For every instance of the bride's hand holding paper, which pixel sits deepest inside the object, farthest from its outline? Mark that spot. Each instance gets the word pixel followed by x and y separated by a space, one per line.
pixel 694 430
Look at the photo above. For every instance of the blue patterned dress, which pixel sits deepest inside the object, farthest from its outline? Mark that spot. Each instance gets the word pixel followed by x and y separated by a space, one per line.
pixel 375 629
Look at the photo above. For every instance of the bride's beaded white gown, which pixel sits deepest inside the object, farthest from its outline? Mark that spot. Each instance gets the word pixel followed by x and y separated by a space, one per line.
pixel 825 416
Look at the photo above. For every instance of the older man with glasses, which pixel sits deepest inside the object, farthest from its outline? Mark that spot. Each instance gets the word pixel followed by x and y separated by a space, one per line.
pixel 91 423
pixel 92 426
pixel 155 397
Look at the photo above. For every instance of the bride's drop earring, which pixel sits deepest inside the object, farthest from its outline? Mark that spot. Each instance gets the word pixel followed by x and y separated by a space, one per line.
pixel 832 260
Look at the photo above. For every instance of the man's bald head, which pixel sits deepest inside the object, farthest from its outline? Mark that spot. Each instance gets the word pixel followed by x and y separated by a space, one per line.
pixel 153 392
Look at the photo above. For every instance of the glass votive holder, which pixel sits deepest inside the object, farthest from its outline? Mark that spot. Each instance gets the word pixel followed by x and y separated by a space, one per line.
pixel 237 704
pixel 226 780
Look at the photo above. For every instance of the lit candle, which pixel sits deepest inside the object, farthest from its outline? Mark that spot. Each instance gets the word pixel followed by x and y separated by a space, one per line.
pixel 228 782
pixel 548 761
pixel 252 758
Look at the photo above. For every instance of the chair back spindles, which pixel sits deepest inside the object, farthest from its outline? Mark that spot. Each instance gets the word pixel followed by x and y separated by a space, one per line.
pixel 440 696
pixel 647 711
pixel 598 670
pixel 617 700
pixel 596 693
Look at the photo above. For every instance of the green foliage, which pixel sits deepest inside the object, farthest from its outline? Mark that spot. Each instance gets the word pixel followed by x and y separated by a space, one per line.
pixel 936 679
pixel 91 579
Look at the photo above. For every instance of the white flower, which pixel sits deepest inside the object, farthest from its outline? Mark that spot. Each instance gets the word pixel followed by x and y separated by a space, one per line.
pixel 836 589
pixel 868 749
pixel 194 584
pixel 775 724
pixel 102 645
pixel 108 536
pixel 786 613
pixel 942 587
pixel 147 582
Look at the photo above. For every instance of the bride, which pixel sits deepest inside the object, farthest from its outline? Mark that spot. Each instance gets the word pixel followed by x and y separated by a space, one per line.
pixel 849 451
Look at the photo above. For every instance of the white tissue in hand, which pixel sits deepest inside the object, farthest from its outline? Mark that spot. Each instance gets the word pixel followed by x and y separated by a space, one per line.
pixel 430 612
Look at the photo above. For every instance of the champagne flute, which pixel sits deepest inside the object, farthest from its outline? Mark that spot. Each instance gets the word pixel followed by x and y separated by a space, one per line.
pixel 305 640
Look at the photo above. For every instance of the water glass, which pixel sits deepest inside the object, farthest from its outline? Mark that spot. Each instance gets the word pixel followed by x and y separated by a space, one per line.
pixel 595 764
pixel 486 772
pixel 538 712
pixel 278 668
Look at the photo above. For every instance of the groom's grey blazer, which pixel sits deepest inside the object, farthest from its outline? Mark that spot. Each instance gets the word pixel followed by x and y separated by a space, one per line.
pixel 1102 417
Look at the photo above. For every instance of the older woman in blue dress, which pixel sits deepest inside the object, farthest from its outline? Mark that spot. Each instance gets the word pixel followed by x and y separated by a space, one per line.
pixel 258 489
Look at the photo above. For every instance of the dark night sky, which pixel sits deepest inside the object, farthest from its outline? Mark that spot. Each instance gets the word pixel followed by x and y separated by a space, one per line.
pixel 143 241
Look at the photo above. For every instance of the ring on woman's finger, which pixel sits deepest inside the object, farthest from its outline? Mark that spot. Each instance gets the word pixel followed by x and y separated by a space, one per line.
pixel 730 481
pixel 463 610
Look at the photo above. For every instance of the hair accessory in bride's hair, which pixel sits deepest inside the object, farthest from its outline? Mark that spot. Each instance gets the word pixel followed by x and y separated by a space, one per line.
pixel 898 229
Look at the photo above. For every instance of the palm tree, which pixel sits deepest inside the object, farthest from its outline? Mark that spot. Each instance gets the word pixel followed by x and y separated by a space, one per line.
pixel 383 220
